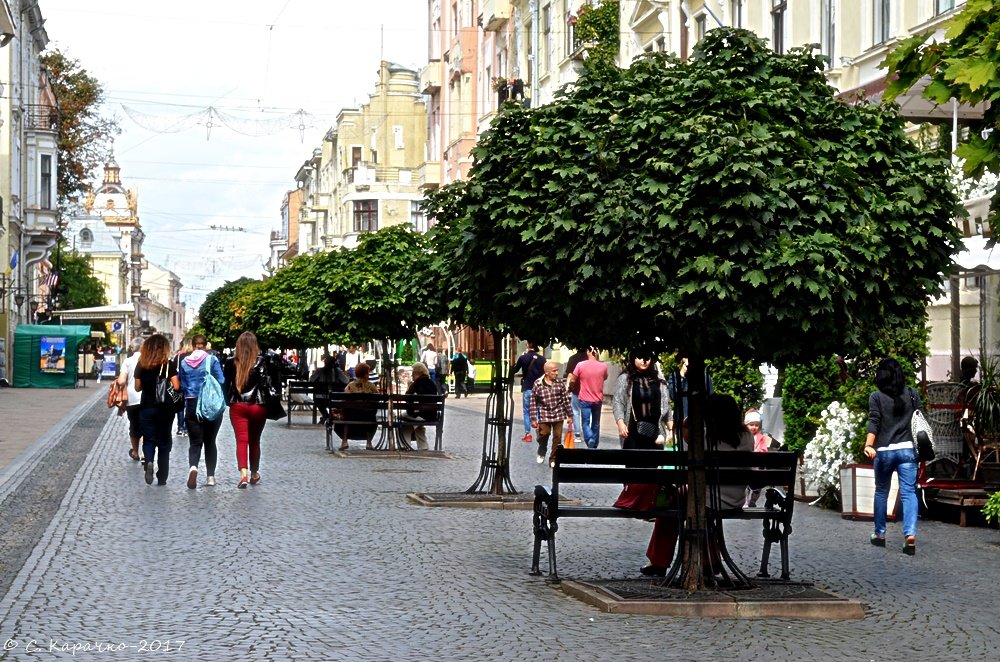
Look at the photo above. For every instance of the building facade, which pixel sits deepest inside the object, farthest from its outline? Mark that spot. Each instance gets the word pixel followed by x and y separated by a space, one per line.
pixel 29 121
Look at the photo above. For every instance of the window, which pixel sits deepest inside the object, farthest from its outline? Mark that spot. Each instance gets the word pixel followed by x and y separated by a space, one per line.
pixel 86 238
pixel 365 215
pixel 546 40
pixel 827 27
pixel 417 219
pixel 941 6
pixel 570 37
pixel 45 182
pixel 880 21
pixel 778 9
pixel 700 27
pixel 736 12
pixel 355 155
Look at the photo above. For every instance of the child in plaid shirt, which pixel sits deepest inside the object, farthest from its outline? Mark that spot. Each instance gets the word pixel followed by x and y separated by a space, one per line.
pixel 549 408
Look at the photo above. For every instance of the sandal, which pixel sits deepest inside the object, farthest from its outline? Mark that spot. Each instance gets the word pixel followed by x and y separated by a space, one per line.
pixel 133 454
pixel 254 478
pixel 910 546
pixel 243 479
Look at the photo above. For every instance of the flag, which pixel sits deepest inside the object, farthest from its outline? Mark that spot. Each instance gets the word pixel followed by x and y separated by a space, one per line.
pixel 13 263
pixel 52 279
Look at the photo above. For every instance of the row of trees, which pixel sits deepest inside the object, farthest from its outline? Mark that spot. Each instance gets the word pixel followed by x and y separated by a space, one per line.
pixel 727 205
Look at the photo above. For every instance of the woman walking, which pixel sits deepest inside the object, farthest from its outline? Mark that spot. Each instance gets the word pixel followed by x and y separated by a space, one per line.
pixel 245 376
pixel 127 379
pixel 155 420
pixel 194 370
pixel 890 443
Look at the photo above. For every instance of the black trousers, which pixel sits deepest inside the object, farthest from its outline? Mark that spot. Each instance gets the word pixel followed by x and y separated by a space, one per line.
pixel 201 433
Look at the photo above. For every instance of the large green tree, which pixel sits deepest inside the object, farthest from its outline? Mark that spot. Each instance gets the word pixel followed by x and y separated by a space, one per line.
pixel 220 314
pixel 727 205
pixel 964 67
pixel 78 287
pixel 85 135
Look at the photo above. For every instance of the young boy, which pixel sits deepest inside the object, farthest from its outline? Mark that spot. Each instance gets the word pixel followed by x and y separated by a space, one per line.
pixel 549 408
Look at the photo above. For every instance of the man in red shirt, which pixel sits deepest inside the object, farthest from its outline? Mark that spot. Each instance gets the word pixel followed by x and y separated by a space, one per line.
pixel 591 375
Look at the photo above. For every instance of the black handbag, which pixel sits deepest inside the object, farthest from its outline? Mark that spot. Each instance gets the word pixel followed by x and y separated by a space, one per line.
pixel 269 393
pixel 167 396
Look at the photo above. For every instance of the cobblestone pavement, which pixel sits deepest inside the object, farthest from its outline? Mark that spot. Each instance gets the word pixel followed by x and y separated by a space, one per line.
pixel 325 559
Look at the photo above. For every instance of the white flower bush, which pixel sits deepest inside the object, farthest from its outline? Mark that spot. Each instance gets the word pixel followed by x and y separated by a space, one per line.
pixel 831 447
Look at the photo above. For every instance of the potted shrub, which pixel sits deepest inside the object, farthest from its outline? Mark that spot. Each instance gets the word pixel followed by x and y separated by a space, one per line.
pixel 986 411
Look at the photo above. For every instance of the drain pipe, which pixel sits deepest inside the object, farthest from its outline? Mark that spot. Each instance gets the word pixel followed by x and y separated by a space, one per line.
pixel 536 33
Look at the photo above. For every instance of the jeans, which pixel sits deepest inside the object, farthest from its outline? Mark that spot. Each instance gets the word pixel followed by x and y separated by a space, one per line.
pixel 526 402
pixel 904 463
pixel 201 433
pixel 574 401
pixel 461 387
pixel 590 415
pixel 157 440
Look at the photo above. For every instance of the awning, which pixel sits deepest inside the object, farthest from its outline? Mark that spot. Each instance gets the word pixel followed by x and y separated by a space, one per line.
pixel 977 257
pixel 98 313
pixel 912 104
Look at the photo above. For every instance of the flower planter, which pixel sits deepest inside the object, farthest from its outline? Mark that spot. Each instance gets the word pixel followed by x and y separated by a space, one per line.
pixel 857 493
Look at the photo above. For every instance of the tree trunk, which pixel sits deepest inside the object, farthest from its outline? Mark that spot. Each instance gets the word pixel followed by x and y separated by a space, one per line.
pixel 695 530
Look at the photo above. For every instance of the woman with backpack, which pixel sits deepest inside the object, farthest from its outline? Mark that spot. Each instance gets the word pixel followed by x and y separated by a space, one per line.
pixel 155 419
pixel 194 371
pixel 247 376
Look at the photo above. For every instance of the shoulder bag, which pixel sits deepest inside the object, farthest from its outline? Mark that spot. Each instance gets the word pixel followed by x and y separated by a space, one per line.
pixel 923 435
pixel 269 393
pixel 167 396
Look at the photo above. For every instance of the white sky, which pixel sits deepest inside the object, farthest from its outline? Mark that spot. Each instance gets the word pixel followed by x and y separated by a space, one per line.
pixel 252 59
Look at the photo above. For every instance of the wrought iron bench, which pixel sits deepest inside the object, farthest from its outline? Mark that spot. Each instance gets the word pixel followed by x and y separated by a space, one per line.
pixel 774 470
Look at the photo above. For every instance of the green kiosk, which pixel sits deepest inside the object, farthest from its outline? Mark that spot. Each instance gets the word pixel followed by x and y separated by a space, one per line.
pixel 45 355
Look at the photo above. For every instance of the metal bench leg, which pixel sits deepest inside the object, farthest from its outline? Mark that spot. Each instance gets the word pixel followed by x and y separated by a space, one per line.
pixel 771 535
pixel 786 529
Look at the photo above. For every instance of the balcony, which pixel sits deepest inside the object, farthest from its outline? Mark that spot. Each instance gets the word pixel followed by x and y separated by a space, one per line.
pixel 430 77
pixel 495 13
pixel 363 175
pixel 429 175
pixel 41 118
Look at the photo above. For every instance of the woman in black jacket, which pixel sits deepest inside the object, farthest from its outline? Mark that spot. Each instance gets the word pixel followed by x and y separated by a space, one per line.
pixel 890 443
pixel 245 377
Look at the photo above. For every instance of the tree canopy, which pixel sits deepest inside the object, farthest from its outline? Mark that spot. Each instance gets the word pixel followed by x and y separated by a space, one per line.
pixel 964 67
pixel 725 205
pixel 78 287
pixel 219 314
pixel 84 135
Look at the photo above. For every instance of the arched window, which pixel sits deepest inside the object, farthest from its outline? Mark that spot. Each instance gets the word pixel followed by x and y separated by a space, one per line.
pixel 86 238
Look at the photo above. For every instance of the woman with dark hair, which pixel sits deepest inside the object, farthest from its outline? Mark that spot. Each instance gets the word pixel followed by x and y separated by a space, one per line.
pixel 193 370
pixel 641 405
pixel 889 443
pixel 245 376
pixel 155 420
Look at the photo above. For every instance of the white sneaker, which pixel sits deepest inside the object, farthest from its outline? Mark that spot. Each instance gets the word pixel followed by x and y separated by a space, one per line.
pixel 539 459
pixel 210 482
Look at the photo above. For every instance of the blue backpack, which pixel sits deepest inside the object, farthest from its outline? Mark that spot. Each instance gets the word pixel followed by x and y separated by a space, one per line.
pixel 211 400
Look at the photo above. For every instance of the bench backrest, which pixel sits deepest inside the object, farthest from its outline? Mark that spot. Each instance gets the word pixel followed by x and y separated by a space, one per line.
pixel 429 407
pixel 358 406
pixel 660 467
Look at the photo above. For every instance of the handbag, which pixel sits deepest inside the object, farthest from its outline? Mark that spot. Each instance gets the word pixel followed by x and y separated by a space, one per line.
pixel 270 395
pixel 645 428
pixel 167 396
pixel 922 433
pixel 569 440
pixel 211 401
pixel 117 396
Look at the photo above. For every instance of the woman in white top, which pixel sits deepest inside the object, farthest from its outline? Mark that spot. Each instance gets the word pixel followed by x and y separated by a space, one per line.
pixel 127 378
